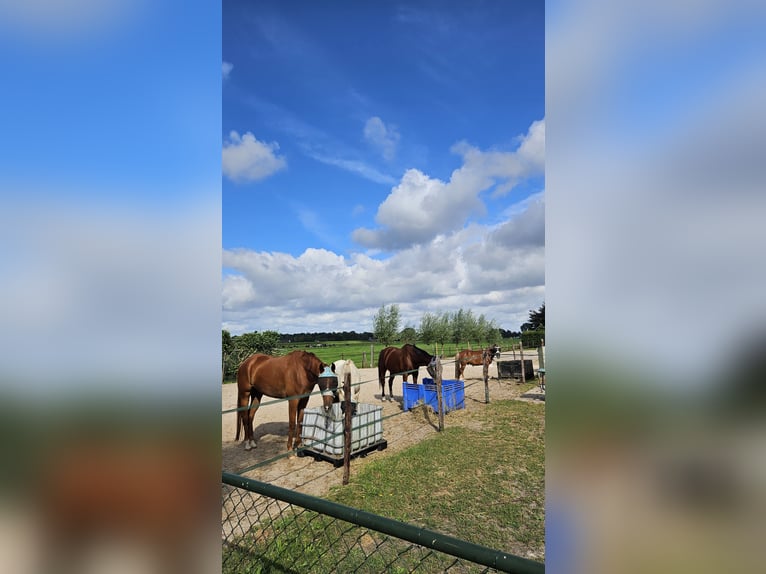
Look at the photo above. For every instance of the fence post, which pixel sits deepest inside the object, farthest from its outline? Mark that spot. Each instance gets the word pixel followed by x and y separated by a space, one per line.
pixel 438 381
pixel 347 422
pixel 521 353
pixel 485 361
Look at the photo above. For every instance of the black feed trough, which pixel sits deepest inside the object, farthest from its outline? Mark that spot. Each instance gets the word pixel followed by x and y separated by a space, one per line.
pixel 512 369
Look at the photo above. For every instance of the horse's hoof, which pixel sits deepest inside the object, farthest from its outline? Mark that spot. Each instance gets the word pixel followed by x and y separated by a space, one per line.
pixel 247 445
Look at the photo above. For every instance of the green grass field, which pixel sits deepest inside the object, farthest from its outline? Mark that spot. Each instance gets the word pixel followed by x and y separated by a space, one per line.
pixel 359 351
pixel 481 480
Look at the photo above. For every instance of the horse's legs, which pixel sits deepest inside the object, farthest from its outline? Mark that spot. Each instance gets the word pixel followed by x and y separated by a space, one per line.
pixel 255 402
pixel 299 420
pixel 242 399
pixel 391 387
pixel 291 415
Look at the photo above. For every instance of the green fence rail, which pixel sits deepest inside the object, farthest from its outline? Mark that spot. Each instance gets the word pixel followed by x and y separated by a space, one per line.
pixel 267 528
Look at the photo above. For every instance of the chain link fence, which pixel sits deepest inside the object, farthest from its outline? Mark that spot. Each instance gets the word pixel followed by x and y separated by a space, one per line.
pixel 271 529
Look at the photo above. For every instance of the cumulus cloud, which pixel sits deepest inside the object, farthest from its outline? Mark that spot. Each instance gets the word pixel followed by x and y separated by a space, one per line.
pixel 498 271
pixel 527 228
pixel 420 208
pixel 227 67
pixel 417 210
pixel 247 159
pixel 383 138
pixel 532 149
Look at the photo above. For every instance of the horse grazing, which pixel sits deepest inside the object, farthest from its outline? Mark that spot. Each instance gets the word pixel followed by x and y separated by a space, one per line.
pixel 468 357
pixel 398 361
pixel 291 375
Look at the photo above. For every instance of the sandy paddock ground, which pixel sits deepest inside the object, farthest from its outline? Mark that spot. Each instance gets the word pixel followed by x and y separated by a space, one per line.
pixel 316 477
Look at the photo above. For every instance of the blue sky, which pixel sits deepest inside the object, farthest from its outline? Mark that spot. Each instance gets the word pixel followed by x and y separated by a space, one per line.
pixel 379 153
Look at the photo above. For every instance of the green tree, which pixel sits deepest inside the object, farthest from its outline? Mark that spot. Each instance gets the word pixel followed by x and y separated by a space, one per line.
pixel 255 342
pixel 462 323
pixel 444 329
pixel 427 332
pixel 488 331
pixel 473 330
pixel 227 347
pixel 385 324
pixel 408 335
pixel 492 333
pixel 536 320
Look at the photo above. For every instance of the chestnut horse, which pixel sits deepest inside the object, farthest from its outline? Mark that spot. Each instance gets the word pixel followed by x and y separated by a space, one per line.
pixel 398 361
pixel 291 375
pixel 468 357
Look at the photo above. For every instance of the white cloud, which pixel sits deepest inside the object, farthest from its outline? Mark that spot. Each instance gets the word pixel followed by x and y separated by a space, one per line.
pixel 227 67
pixel 497 271
pixel 420 208
pixel 527 225
pixel 351 165
pixel 531 152
pixel 316 143
pixel 417 210
pixel 383 138
pixel 247 159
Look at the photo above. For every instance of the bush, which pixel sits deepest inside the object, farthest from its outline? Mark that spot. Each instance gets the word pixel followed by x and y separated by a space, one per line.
pixel 532 339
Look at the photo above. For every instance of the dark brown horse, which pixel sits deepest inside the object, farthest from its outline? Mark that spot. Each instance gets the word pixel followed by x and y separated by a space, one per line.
pixel 468 357
pixel 397 362
pixel 292 375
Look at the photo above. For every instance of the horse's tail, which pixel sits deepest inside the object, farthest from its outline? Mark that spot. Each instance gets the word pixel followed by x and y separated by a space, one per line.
pixel 240 424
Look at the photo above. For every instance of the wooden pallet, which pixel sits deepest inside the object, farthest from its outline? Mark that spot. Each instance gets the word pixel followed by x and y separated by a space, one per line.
pixel 337 460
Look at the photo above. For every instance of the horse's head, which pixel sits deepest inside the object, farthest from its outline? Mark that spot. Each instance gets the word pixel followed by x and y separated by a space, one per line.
pixel 420 356
pixel 328 387
pixel 431 368
pixel 312 365
pixel 495 351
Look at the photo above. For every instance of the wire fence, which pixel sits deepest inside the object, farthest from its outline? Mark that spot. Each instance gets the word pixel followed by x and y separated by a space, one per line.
pixel 448 366
pixel 271 529
pixel 266 528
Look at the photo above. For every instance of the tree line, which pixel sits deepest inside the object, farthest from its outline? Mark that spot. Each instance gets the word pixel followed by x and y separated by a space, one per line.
pixel 461 327
pixel 324 336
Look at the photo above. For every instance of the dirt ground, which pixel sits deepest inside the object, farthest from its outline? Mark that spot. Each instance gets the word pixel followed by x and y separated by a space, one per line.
pixel 306 475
